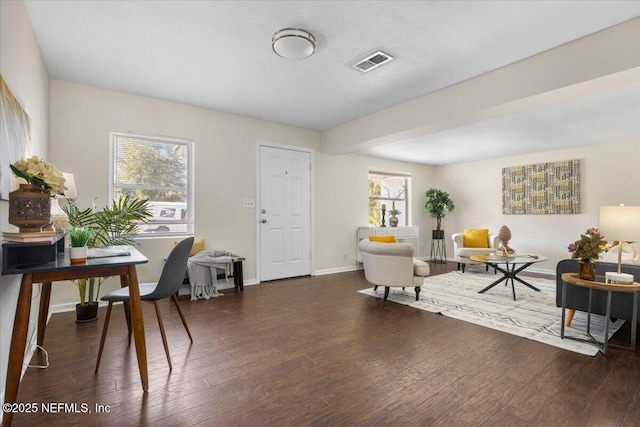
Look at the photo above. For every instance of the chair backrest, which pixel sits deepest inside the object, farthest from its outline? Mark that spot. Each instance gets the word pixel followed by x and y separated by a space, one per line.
pixel 173 272
pixel 387 264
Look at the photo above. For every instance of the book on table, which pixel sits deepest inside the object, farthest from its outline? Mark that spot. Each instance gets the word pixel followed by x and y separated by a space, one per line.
pixel 30 237
pixel 108 251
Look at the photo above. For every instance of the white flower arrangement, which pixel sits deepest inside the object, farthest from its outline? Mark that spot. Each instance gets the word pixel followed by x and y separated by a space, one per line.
pixel 40 173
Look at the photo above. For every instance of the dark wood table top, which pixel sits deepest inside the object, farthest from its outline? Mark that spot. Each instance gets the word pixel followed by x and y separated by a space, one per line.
pixel 62 263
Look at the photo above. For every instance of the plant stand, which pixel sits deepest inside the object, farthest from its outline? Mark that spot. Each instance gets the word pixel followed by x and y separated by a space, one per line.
pixel 438 248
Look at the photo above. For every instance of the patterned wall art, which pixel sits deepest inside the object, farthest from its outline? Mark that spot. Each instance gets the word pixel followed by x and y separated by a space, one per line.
pixel 544 188
pixel 15 136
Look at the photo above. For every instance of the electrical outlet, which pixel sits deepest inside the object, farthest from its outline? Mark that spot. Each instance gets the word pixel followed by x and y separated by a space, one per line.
pixel 248 203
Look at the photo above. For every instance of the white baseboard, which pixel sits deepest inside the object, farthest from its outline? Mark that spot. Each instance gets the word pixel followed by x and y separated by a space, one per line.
pixel 336 270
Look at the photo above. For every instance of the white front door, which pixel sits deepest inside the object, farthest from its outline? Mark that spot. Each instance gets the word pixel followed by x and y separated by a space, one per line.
pixel 285 213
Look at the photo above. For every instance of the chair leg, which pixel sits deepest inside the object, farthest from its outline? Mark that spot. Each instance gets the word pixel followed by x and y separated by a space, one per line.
pixel 417 293
pixel 127 313
pixel 164 336
pixel 104 335
pixel 375 287
pixel 386 292
pixel 184 322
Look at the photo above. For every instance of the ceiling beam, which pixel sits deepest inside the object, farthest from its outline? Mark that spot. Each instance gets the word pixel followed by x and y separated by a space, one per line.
pixel 603 60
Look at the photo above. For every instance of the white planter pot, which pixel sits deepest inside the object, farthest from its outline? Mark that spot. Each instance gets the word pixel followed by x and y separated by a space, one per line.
pixel 77 255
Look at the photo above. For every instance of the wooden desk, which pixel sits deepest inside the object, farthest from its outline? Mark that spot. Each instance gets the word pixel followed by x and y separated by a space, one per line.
pixel 62 269
pixel 600 284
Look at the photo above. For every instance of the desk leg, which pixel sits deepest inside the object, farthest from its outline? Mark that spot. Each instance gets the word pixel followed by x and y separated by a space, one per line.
pixel 138 326
pixel 18 345
pixel 45 297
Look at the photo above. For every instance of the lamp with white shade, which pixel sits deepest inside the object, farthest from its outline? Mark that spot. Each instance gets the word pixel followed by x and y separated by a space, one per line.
pixel 621 223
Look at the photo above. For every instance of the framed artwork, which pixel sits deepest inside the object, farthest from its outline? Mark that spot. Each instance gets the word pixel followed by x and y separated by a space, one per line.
pixel 544 188
pixel 15 136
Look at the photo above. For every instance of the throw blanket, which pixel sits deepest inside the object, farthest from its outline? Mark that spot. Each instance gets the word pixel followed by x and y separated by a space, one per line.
pixel 203 272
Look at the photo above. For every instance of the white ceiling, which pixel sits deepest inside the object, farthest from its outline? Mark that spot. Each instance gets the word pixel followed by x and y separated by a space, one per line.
pixel 217 55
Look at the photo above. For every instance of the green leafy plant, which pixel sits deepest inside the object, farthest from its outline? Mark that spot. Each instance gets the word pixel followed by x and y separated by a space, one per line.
pixel 79 236
pixel 589 246
pixel 438 204
pixel 394 212
pixel 115 224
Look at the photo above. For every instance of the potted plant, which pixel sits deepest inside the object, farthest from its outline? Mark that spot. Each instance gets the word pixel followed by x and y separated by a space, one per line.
pixel 115 224
pixel 587 250
pixel 438 204
pixel 30 205
pixel 79 237
pixel 393 219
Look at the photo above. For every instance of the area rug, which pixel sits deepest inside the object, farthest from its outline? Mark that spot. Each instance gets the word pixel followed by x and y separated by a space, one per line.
pixel 533 315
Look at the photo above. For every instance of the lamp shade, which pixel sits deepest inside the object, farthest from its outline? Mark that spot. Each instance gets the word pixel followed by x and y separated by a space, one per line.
pixel 70 183
pixel 620 223
pixel 293 43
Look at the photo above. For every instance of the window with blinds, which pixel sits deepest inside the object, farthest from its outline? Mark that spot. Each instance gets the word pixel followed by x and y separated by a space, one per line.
pixel 389 189
pixel 159 170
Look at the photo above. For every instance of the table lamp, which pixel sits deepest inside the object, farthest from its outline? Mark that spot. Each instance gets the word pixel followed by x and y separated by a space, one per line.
pixel 621 223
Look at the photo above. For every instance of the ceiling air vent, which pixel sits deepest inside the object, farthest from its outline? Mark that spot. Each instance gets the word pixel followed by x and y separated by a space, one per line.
pixel 372 61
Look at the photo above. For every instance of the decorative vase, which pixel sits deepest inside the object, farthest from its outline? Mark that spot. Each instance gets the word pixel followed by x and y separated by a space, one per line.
pixel 58 217
pixel 86 313
pixel 30 208
pixel 78 254
pixel 393 221
pixel 587 269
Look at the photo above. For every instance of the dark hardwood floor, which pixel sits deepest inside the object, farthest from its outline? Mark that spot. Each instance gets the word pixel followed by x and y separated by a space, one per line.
pixel 313 351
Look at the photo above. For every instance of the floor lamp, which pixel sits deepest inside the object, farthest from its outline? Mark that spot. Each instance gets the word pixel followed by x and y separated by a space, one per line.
pixel 620 223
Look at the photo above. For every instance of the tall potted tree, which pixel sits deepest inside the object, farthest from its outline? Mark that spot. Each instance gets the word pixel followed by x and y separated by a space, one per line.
pixel 438 204
pixel 115 224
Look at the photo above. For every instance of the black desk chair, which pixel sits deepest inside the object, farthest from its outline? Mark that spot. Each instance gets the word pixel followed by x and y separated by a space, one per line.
pixel 170 280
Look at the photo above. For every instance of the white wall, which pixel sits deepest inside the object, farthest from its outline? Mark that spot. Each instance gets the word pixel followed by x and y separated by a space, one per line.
pixel 24 70
pixel 225 173
pixel 609 175
pixel 342 204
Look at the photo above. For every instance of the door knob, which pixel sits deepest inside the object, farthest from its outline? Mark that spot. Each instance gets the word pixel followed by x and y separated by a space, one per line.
pixel 264 211
pixel 264 220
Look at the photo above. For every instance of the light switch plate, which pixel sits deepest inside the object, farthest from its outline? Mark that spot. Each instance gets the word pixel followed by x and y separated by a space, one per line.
pixel 248 203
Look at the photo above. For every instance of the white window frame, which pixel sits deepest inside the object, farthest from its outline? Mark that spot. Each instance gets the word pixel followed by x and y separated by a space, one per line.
pixel 388 200
pixel 190 188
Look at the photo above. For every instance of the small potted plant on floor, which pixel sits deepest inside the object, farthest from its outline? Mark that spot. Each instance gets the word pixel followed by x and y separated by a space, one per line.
pixel 115 224
pixel 438 204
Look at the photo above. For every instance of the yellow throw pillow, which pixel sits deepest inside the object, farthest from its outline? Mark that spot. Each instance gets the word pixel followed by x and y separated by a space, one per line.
pixel 476 238
pixel 198 246
pixel 383 239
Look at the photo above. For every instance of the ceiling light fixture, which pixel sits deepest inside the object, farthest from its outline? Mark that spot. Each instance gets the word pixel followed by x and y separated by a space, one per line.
pixel 293 43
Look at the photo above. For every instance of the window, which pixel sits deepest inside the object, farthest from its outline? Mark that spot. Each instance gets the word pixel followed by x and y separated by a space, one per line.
pixel 159 170
pixel 392 190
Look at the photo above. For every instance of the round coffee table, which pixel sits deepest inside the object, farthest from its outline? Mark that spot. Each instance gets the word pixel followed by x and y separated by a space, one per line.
pixel 513 266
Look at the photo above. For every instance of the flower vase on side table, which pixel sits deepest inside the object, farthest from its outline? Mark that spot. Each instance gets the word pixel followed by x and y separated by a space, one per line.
pixel 587 269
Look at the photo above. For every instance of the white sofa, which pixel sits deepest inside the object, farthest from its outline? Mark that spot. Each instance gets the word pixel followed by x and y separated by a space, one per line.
pixel 462 254
pixel 392 265
pixel 630 254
